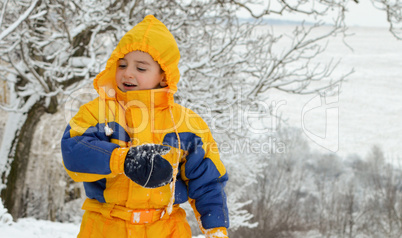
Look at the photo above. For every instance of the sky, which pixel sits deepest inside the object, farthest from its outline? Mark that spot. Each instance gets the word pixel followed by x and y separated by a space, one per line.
pixel 365 14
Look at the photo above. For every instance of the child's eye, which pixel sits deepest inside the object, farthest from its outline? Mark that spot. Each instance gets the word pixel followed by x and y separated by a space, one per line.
pixel 141 69
pixel 122 66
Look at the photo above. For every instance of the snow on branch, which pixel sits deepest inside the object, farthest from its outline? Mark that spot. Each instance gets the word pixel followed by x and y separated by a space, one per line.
pixel 22 18
pixel 258 9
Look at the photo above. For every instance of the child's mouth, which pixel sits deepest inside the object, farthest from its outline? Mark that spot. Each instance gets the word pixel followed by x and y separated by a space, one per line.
pixel 129 86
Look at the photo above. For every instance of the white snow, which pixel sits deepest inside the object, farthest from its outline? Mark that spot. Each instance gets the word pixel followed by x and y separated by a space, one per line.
pixel 136 217
pixel 19 21
pixel 216 234
pixel 30 227
pixel 13 124
pixel 108 130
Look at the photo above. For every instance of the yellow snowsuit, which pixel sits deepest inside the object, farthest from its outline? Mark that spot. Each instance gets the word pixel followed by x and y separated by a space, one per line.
pixel 98 137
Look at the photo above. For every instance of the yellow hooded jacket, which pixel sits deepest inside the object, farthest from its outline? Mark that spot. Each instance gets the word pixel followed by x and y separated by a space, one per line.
pixel 98 137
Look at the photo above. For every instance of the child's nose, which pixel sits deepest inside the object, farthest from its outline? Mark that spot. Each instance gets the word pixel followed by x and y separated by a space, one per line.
pixel 129 74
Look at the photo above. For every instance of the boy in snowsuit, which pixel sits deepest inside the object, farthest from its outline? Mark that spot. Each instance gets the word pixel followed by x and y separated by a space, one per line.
pixel 138 153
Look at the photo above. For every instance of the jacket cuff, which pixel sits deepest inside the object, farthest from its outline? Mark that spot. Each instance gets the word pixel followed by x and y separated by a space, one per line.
pixel 218 232
pixel 117 160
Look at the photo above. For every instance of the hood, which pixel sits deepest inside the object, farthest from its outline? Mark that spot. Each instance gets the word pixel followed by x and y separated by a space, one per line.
pixel 150 36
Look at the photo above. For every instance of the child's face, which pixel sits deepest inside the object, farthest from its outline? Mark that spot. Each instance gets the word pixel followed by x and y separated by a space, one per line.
pixel 138 71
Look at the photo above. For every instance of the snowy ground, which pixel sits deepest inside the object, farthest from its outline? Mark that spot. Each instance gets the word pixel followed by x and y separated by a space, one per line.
pixel 29 227
pixel 33 228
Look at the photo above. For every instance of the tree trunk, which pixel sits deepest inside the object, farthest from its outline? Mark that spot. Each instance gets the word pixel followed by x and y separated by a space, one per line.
pixel 13 195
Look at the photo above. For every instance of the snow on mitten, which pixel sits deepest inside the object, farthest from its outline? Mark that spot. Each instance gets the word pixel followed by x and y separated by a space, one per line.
pixel 145 166
pixel 219 232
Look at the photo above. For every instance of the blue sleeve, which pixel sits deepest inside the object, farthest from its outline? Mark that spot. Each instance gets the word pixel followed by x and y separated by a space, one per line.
pixel 205 182
pixel 86 149
pixel 87 153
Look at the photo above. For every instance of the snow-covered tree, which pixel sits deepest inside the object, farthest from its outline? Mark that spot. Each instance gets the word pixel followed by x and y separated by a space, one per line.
pixel 48 48
pixel 51 48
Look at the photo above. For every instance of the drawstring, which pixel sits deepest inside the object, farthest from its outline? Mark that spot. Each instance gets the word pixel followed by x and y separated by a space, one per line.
pixel 108 131
pixel 175 166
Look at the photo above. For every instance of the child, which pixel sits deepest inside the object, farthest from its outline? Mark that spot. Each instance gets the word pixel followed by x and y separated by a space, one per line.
pixel 138 153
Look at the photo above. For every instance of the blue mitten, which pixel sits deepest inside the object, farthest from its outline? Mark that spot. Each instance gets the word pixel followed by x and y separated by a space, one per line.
pixel 145 166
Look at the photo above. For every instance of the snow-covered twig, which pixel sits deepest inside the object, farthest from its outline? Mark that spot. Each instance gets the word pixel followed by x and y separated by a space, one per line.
pixel 24 16
pixel 3 11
